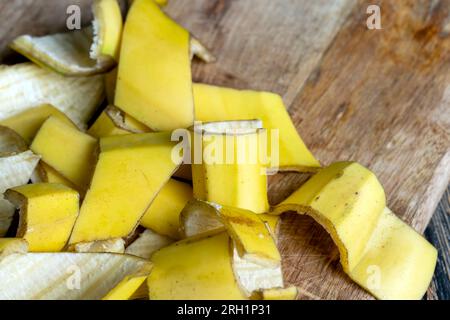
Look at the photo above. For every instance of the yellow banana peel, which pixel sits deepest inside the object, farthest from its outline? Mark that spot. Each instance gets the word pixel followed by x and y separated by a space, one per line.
pixel 218 104
pixel 47 214
pixel 195 268
pixel 147 243
pixel 127 288
pixel 49 175
pixel 66 149
pixel 104 126
pixel 154 81
pixel 135 164
pixel 163 215
pixel 377 250
pixel 289 293
pixel 114 245
pixel 64 276
pixel 28 122
pixel 229 168
pixel 89 51
pixel 12 245
pixel 25 86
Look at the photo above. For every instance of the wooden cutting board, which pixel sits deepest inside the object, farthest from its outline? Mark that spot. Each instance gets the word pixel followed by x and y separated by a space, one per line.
pixel 379 97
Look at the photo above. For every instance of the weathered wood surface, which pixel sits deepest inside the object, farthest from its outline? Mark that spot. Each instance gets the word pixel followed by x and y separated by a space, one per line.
pixel 380 97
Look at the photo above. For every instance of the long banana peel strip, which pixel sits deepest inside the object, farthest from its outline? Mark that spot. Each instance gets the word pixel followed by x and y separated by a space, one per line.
pixel 163 215
pixel 47 214
pixel 154 81
pixel 89 51
pixel 12 245
pixel 229 168
pixel 198 268
pixel 17 165
pixel 147 243
pixel 66 149
pixel 378 251
pixel 115 245
pixel 135 164
pixel 28 122
pixel 26 85
pixel 218 104
pixel 64 276
pixel 127 288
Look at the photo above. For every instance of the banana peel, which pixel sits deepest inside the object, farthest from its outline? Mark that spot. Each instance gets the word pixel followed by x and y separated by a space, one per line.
pixel 92 50
pixel 104 126
pixel 227 164
pixel 127 288
pixel 163 215
pixel 115 245
pixel 289 293
pixel 64 276
pixel 17 165
pixel 154 81
pixel 47 174
pixel 198 268
pixel 219 104
pixel 147 243
pixel 66 149
pixel 11 246
pixel 200 51
pixel 25 86
pixel 135 164
pixel 377 250
pixel 28 122
pixel 47 214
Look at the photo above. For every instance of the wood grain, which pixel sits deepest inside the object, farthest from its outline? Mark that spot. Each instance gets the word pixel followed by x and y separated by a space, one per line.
pixel 379 97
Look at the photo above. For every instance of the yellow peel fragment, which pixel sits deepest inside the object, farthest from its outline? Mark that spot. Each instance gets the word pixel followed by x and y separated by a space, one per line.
pixel 47 214
pixel 66 149
pixel 25 86
pixel 228 169
pixel 289 293
pixel 154 81
pixel 196 268
pixel 114 245
pixel 12 245
pixel 105 127
pixel 126 288
pixel 28 122
pixel 163 215
pixel 135 164
pixel 220 104
pixel 377 250
pixel 50 175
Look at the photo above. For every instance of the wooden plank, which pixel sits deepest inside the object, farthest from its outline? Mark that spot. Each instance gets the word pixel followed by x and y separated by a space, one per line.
pixel 438 234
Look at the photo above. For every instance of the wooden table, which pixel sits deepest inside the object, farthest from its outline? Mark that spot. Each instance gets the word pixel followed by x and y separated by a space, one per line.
pixel 379 97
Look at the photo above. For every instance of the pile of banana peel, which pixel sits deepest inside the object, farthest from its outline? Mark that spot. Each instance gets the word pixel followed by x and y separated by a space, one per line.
pixel 94 204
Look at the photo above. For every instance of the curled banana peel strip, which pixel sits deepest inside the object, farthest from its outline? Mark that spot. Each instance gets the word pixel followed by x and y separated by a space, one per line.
pixel 256 261
pixel 218 104
pixel 47 214
pixel 88 276
pixel 228 168
pixel 17 165
pixel 155 54
pixel 377 250
pixel 55 140
pixel 137 164
pixel 89 51
pixel 25 86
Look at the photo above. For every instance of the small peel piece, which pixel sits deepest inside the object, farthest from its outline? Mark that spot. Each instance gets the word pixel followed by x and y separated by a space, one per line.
pixel 12 245
pixel 349 202
pixel 47 214
pixel 147 243
pixel 49 175
pixel 218 104
pixel 28 122
pixel 200 51
pixel 85 52
pixel 228 169
pixel 289 293
pixel 25 86
pixel 154 81
pixel 115 245
pixel 66 149
pixel 127 288
pixel 135 164
pixel 163 215
pixel 66 276
pixel 105 127
pixel 198 268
